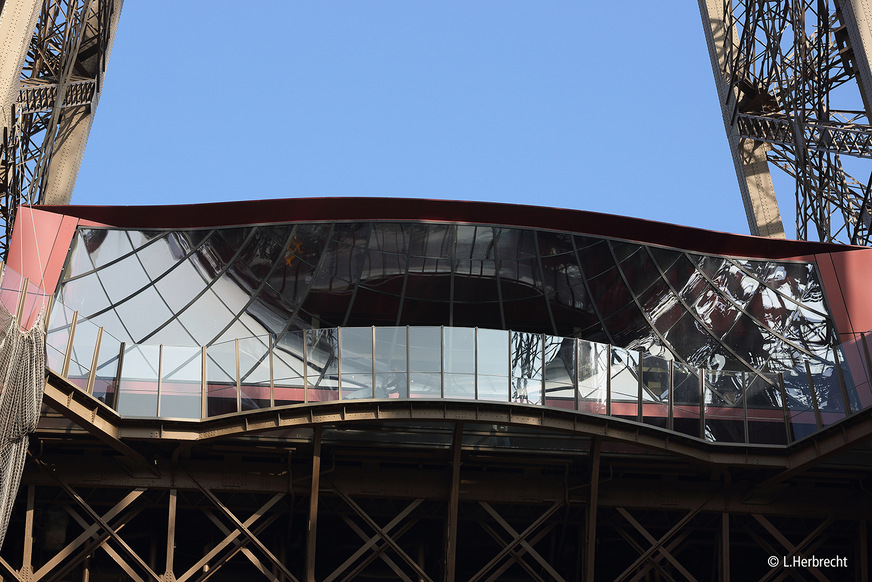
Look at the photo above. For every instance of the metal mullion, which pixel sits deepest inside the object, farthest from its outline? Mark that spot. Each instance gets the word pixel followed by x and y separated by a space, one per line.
pixel 408 365
pixel 542 383
pixel 272 387
pixel 305 366
pixel 608 379
pixel 65 370
pixel 204 398
pixel 92 373
pixel 701 373
pixel 496 232
pixel 159 376
pixel 509 375
pixel 339 362
pixel 407 242
pixel 372 361
pixel 784 407
pixel 451 270
pixel 670 400
pixel 640 387
pixel 575 364
pixel 745 405
pixel 118 371
pixel 475 363
pixel 238 379
pixel 442 362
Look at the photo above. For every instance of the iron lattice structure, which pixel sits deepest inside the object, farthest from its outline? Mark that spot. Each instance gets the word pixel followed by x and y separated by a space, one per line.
pixel 793 79
pixel 49 94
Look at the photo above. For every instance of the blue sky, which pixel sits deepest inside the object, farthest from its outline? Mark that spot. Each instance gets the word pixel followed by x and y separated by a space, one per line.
pixel 600 106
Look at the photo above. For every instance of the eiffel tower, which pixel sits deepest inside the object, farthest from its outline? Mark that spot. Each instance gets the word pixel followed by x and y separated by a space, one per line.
pixel 793 79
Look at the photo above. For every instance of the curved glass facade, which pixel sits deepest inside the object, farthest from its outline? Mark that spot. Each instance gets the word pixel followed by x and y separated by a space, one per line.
pixel 202 287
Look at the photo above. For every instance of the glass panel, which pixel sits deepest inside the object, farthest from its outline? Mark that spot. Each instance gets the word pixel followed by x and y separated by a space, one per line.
pixel 459 362
pixel 685 409
pixel 593 370
pixel 625 383
pixel 527 368
pixel 84 343
pixel 221 379
pixel 800 409
pixel 493 365
pixel 356 362
pixel 254 372
pixel 322 365
pixel 560 372
pixel 288 365
pixel 829 394
pixel 655 391
pixel 181 384
pixel 107 368
pixel 765 413
pixel 137 393
pixel 391 369
pixel 57 336
pixel 724 415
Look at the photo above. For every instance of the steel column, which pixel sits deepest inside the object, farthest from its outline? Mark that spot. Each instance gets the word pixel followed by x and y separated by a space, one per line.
pixel 311 536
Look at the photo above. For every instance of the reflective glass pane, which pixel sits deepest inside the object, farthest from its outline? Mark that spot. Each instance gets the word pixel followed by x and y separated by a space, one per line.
pixel 593 370
pixel 137 393
pixel 221 394
pixel 57 336
pixel 800 407
pixel 391 377
pixel 84 344
pixel 655 391
pixel 356 362
pixel 686 399
pixel 527 367
pixel 560 372
pixel 459 362
pixel 624 372
pixel 288 367
pixel 104 388
pixel 254 363
pixel 181 386
pixel 493 365
pixel 765 412
pixel 322 365
pixel 724 415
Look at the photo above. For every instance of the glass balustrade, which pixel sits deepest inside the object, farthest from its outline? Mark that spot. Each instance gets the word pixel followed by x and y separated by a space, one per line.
pixel 454 363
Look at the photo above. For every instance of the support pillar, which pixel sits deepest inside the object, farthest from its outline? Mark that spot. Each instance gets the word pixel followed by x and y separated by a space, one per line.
pixel 453 505
pixel 724 554
pixel 590 522
pixel 311 536
pixel 169 576
pixel 749 157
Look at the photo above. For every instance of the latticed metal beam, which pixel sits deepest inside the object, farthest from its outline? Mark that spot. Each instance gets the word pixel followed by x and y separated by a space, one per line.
pixel 794 83
pixel 49 88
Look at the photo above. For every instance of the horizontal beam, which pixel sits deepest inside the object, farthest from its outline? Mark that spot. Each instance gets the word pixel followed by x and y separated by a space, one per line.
pixel 854 140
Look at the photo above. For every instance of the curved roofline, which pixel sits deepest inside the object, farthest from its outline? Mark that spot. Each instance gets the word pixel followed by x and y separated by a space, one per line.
pixel 239 213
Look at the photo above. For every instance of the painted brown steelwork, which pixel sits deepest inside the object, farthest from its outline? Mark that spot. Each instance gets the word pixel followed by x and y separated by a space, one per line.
pixel 794 82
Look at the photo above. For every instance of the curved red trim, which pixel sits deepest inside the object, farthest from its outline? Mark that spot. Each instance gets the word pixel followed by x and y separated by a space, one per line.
pixel 344 209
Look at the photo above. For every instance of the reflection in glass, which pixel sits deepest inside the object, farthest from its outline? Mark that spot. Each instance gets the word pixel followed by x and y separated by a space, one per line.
pixel 356 362
pixel 322 365
pixel 391 369
pixel 493 365
pixel 254 372
pixel 528 362
pixel 593 371
pixel 560 372
pixel 221 393
pixel 624 371
pixel 724 413
pixel 137 392
pixel 181 383
pixel 686 400
pixel 425 362
pixel 288 366
pixel 459 362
